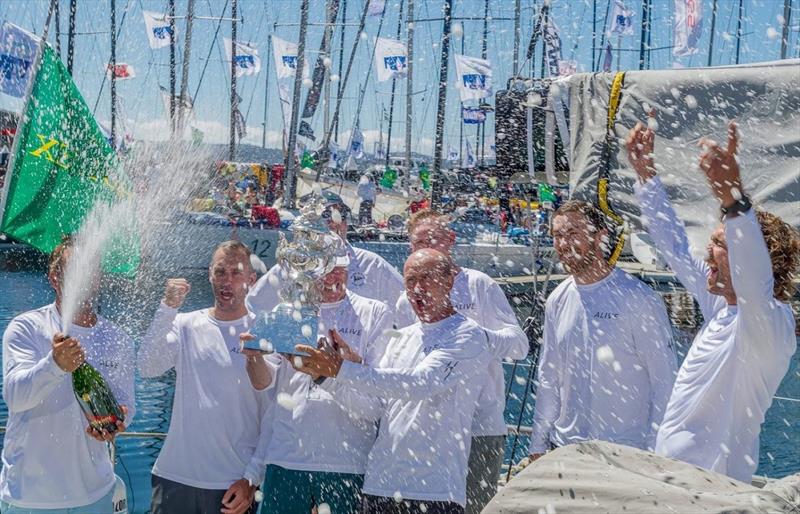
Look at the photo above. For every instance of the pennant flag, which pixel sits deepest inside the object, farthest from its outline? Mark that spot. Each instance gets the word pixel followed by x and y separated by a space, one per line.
pixel 608 57
pixel 307 161
pixel 469 158
pixel 17 54
pixel 333 155
pixel 285 54
pixel 376 7
pixel 473 115
pixel 474 77
pixel 62 167
pixel 357 143
pixel 305 130
pixel 121 71
pixel 425 176
pixel 452 154
pixel 159 32
pixel 553 48
pixel 247 60
pixel 688 26
pixel 390 58
pixel 622 19
pixel 546 193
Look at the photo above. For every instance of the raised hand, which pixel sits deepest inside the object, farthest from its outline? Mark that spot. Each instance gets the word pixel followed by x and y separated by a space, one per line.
pixel 325 362
pixel 640 144
pixel 343 348
pixel 721 169
pixel 175 292
pixel 67 352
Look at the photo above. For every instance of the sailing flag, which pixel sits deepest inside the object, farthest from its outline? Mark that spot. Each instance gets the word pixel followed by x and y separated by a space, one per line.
pixel 333 155
pixel 62 167
pixel 17 54
pixel 305 130
pixel 469 158
pixel 159 32
pixel 452 154
pixel 285 54
pixel 608 57
pixel 376 7
pixel 473 115
pixel 688 26
pixel 622 19
pixel 390 58
pixel 122 71
pixel 567 68
pixel 247 60
pixel 357 143
pixel 474 77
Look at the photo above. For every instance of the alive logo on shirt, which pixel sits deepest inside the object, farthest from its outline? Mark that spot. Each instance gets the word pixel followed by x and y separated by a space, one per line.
pixel 353 331
pixel 606 315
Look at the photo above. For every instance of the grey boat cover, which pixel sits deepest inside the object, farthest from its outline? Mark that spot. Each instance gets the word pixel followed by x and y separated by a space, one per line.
pixel 596 477
pixel 691 103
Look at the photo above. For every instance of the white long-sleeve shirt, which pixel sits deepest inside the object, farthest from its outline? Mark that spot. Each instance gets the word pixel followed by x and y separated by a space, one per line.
pixel 309 430
pixel 368 275
pixel 424 393
pixel 479 298
pixel 607 364
pixel 49 462
pixel 740 354
pixel 216 414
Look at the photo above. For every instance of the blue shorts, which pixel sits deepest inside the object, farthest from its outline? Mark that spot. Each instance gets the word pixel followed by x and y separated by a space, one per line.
pixel 104 505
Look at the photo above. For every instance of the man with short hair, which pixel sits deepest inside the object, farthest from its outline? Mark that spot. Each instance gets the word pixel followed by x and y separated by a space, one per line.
pixel 475 295
pixel 368 274
pixel 607 365
pixel 315 450
pixel 743 350
pixel 53 461
pixel 207 462
pixel 423 393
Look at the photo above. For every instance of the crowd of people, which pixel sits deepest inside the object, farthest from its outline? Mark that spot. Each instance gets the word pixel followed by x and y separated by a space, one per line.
pixel 399 409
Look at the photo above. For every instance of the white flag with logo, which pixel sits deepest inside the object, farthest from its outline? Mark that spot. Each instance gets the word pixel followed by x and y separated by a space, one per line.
pixel 247 60
pixel 376 7
pixel 452 154
pixel 469 158
pixel 621 19
pixel 17 54
pixel 285 54
pixel 357 143
pixel 158 30
pixel 333 155
pixel 474 77
pixel 390 58
pixel 688 26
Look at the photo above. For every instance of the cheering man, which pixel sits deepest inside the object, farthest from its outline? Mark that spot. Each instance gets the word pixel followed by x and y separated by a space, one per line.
pixel 743 287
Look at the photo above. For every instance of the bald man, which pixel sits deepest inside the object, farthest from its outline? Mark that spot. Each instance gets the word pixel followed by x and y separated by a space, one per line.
pixel 423 393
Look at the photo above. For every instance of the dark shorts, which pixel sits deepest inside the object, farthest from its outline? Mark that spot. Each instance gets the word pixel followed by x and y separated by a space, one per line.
pixel 287 491
pixel 485 460
pixel 175 498
pixel 382 505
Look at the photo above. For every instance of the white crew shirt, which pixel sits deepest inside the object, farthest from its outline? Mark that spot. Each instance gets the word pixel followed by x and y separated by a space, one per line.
pixel 312 432
pixel 368 275
pixel 49 462
pixel 479 298
pixel 424 393
pixel 216 414
pixel 607 364
pixel 739 356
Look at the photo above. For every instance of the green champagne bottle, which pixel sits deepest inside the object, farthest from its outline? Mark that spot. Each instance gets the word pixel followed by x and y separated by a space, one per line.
pixel 96 399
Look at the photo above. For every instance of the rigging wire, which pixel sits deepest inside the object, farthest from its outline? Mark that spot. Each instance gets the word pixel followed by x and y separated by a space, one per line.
pixel 105 75
pixel 211 48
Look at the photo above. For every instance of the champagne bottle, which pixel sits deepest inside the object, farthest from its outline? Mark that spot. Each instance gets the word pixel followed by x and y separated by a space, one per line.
pixel 96 399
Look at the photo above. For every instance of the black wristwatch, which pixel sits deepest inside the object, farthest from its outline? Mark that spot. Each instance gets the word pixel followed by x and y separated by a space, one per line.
pixel 320 380
pixel 738 207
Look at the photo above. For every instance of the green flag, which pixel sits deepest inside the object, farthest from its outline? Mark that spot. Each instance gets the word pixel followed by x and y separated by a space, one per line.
pixel 388 179
pixel 546 193
pixel 307 161
pixel 62 166
pixel 424 176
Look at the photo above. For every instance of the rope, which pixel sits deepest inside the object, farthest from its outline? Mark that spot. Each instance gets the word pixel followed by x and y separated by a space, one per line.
pixel 602 181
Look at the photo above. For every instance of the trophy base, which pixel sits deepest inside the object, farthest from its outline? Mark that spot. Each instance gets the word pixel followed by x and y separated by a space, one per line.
pixel 282 329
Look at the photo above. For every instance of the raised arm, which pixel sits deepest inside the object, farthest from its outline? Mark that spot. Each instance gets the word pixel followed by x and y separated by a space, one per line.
pixel 548 392
pixel 159 349
pixel 506 338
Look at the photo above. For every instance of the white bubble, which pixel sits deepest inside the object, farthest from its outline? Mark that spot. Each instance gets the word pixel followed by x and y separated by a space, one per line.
pixel 232 330
pixel 391 334
pixel 326 61
pixel 274 281
pixel 307 82
pixel 727 36
pixel 240 266
pixel 363 36
pixel 323 508
pixel 257 264
pixel 286 401
pixel 259 496
pixel 306 331
pixel 652 124
pixel 617 366
pixel 297 316
pixel 772 33
pixel 457 30
pixel 691 101
pixel 510 263
pixel 605 354
pixel 749 460
pixel 172 338
pixel 336 216
pixel 398 496
pixel 297 361
pixel 334 77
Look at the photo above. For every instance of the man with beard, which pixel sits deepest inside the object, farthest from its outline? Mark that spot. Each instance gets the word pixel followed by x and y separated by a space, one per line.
pixel 207 464
pixel 53 461
pixel 315 450
pixel 607 365
pixel 742 351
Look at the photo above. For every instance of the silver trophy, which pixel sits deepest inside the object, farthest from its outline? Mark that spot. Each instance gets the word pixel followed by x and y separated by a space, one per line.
pixel 312 253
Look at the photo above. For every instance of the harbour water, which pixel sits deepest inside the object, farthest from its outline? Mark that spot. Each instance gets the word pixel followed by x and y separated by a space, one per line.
pixel 131 305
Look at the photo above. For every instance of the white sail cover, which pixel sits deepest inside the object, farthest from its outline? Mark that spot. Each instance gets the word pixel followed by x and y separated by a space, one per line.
pixel 474 77
pixel 390 59
pixel 158 29
pixel 285 54
pixel 763 98
pixel 247 60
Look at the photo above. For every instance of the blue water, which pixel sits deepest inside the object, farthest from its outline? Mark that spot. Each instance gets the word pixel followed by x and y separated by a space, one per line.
pixel 24 290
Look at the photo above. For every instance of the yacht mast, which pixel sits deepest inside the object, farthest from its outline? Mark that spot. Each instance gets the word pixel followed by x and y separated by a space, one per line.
pixel 290 184
pixel 187 52
pixel 436 185
pixel 394 85
pixel 232 143
pixel 409 89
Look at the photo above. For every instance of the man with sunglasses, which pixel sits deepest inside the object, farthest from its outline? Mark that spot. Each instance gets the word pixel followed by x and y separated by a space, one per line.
pixel 368 274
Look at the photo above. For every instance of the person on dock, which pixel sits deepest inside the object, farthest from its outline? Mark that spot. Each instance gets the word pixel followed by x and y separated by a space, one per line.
pixel 607 364
pixel 368 274
pixel 743 287
pixel 315 450
pixel 423 394
pixel 53 461
pixel 367 193
pixel 207 462
pixel 478 297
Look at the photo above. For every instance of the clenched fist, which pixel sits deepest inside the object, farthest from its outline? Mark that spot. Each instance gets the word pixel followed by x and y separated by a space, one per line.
pixel 175 292
pixel 67 352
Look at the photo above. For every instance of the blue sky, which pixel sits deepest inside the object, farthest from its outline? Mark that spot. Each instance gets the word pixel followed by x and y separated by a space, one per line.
pixel 144 112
